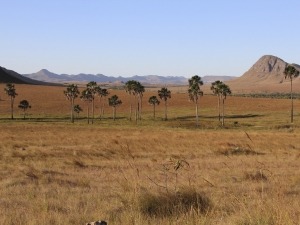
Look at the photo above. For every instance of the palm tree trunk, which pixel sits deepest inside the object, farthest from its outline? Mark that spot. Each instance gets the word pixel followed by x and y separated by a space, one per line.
pixel 166 118
pixel 223 101
pixel 130 111
pixel 292 100
pixel 103 109
pixel 140 111
pixel 12 107
pixel 197 116
pixel 114 113
pixel 72 110
pixel 219 107
pixel 100 103
pixel 88 113
pixel 93 106
pixel 24 113
pixel 136 108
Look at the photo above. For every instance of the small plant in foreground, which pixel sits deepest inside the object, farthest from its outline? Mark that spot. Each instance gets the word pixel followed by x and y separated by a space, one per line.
pixel 233 149
pixel 258 176
pixel 173 203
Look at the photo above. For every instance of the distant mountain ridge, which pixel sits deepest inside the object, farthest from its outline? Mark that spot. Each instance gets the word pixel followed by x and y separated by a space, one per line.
pixel 47 76
pixel 10 76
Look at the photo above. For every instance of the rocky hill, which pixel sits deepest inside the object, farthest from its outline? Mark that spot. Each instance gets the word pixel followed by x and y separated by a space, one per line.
pixel 10 76
pixel 266 75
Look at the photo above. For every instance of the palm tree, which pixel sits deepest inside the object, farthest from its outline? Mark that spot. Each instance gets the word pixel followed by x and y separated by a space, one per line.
pixel 93 88
pixel 129 88
pixel 71 93
pixel 114 101
pixel 139 89
pixel 153 101
pixel 291 72
pixel 11 92
pixel 77 109
pixel 164 94
pixel 103 93
pixel 224 90
pixel 24 105
pixel 195 92
pixel 216 90
pixel 87 96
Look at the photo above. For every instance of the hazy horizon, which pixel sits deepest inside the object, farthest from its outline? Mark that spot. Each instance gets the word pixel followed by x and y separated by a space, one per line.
pixel 125 76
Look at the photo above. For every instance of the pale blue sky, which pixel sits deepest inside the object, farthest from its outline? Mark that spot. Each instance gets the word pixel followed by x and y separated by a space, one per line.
pixel 142 37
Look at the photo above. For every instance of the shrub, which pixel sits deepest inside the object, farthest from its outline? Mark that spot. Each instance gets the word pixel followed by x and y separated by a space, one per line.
pixel 173 203
pixel 238 150
pixel 258 176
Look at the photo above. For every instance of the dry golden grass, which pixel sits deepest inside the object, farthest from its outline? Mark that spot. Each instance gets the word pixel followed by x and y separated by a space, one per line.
pixel 49 102
pixel 54 172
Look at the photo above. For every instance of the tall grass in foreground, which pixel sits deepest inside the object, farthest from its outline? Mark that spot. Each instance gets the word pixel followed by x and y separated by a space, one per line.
pixel 73 174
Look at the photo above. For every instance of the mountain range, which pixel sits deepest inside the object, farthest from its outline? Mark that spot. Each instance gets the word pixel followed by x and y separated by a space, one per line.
pixel 266 75
pixel 47 76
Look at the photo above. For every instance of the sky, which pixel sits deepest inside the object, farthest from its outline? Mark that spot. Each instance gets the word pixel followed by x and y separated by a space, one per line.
pixel 146 37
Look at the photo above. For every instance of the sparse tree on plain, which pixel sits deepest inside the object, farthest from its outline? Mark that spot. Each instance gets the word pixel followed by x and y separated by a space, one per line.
pixel 164 94
pixel 195 92
pixel 153 101
pixel 114 101
pixel 77 109
pixel 11 92
pixel 139 90
pixel 136 89
pixel 224 90
pixel 215 87
pixel 129 88
pixel 87 97
pixel 24 105
pixel 291 72
pixel 93 89
pixel 72 93
pixel 103 93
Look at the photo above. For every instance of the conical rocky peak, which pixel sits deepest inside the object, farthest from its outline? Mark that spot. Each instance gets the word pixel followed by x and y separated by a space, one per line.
pixel 269 64
pixel 266 75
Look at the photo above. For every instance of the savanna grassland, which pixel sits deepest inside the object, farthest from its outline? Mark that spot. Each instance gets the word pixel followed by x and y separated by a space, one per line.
pixel 152 172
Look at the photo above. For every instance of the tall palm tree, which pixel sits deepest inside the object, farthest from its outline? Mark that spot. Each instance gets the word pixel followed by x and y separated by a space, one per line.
pixel 71 93
pixel 224 90
pixel 153 101
pixel 103 93
pixel 129 88
pixel 139 90
pixel 164 94
pixel 24 105
pixel 291 72
pixel 92 87
pixel 195 92
pixel 87 96
pixel 215 87
pixel 114 101
pixel 11 92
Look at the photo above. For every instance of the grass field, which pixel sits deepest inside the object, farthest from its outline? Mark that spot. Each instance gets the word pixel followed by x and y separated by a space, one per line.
pixel 55 172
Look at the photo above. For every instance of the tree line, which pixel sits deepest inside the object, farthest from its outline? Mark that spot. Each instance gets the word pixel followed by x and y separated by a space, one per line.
pixel 135 91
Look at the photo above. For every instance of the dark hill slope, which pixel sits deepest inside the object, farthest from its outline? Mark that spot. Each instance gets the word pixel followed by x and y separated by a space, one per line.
pixel 10 76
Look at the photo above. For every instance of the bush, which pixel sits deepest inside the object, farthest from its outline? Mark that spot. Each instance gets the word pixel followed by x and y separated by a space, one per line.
pixel 173 203
pixel 258 176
